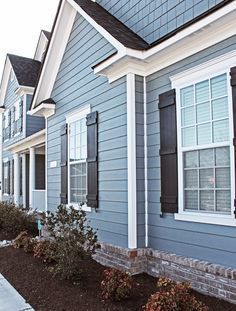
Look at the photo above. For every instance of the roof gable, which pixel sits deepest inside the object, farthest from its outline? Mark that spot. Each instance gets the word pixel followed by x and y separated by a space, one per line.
pixel 26 70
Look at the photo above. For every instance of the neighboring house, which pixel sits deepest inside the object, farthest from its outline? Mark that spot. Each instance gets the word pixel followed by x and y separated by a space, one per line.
pixel 23 136
pixel 139 100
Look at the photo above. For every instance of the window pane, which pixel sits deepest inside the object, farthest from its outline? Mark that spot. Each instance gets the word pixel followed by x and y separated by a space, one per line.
pixel 188 136
pixel 219 86
pixel 206 200
pixel 190 200
pixel 83 153
pixel 220 131
pixel 222 177
pixel 203 112
pixel 202 91
pixel 190 179
pixel 204 134
pixel 188 117
pixel 72 128
pixel 220 108
pixel 83 139
pixel 191 159
pixel 77 183
pixel 222 156
pixel 206 158
pixel 223 201
pixel 206 177
pixel 187 96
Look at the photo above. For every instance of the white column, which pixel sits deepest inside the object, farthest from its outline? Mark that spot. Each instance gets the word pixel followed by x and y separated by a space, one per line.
pixel 31 175
pixel 16 179
pixel 131 143
pixel 24 179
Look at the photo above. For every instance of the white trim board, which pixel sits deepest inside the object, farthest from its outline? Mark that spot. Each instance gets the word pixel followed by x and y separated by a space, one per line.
pixel 131 145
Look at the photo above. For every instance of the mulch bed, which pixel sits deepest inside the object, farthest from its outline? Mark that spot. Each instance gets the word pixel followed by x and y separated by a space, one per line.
pixel 46 293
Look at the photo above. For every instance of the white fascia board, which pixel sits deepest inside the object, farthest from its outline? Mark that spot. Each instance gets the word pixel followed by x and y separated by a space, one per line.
pixel 41 46
pixel 5 79
pixel 212 29
pixel 119 46
pixel 34 140
pixel 43 110
pixel 21 90
pixel 55 52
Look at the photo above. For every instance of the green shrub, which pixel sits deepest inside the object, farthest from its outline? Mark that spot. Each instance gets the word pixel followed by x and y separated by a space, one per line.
pixel 173 296
pixel 74 238
pixel 14 219
pixel 116 285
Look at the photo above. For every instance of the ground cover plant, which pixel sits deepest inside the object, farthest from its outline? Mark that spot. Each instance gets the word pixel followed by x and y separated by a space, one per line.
pixel 116 285
pixel 14 219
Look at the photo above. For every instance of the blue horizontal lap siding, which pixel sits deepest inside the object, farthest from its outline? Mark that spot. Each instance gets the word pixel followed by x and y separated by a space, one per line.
pixel 77 85
pixel 212 243
pixel 153 19
pixel 33 124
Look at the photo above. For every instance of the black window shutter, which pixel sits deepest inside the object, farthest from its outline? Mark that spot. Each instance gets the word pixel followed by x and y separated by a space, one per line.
pixel 168 152
pixel 12 176
pixel 92 159
pixel 8 177
pixel 233 85
pixel 20 121
pixel 64 164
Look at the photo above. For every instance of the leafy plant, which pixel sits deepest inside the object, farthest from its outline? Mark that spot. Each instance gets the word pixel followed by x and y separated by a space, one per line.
pixel 45 250
pixel 15 219
pixel 173 297
pixel 116 285
pixel 25 241
pixel 75 240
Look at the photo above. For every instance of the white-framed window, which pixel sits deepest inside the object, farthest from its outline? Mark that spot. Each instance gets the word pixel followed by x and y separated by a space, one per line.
pixel 205 148
pixel 77 156
pixel 6 118
pixel 17 111
pixel 6 168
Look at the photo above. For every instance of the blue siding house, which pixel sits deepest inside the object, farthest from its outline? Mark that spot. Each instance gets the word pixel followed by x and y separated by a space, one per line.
pixel 139 101
pixel 22 136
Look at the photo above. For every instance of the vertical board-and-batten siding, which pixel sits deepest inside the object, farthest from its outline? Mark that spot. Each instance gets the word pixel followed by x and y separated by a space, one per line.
pixel 75 86
pixel 212 243
pixel 153 19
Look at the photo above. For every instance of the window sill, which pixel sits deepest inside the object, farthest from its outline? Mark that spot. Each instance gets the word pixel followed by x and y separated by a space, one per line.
pixel 222 220
pixel 17 134
pixel 84 207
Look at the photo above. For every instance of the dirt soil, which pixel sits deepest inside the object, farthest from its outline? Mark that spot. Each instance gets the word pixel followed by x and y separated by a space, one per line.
pixel 45 293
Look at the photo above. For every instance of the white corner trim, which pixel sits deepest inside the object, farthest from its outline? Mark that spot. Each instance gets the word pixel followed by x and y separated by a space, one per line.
pixel 131 145
pixel 55 52
pixel 145 158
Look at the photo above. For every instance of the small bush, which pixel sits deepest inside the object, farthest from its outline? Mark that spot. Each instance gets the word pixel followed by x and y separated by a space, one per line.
pixel 45 250
pixel 25 241
pixel 173 297
pixel 116 285
pixel 14 219
pixel 74 240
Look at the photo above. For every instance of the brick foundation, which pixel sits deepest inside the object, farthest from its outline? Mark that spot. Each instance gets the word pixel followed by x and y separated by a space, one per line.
pixel 205 277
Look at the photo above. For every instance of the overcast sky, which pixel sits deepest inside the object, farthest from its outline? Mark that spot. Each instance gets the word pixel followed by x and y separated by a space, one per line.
pixel 20 25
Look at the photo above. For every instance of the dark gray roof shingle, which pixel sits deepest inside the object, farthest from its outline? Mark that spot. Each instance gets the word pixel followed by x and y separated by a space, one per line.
pixel 25 69
pixel 116 28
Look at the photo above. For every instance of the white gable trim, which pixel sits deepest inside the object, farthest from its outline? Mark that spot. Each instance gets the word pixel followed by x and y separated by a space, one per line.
pixel 5 79
pixel 41 46
pixel 59 39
